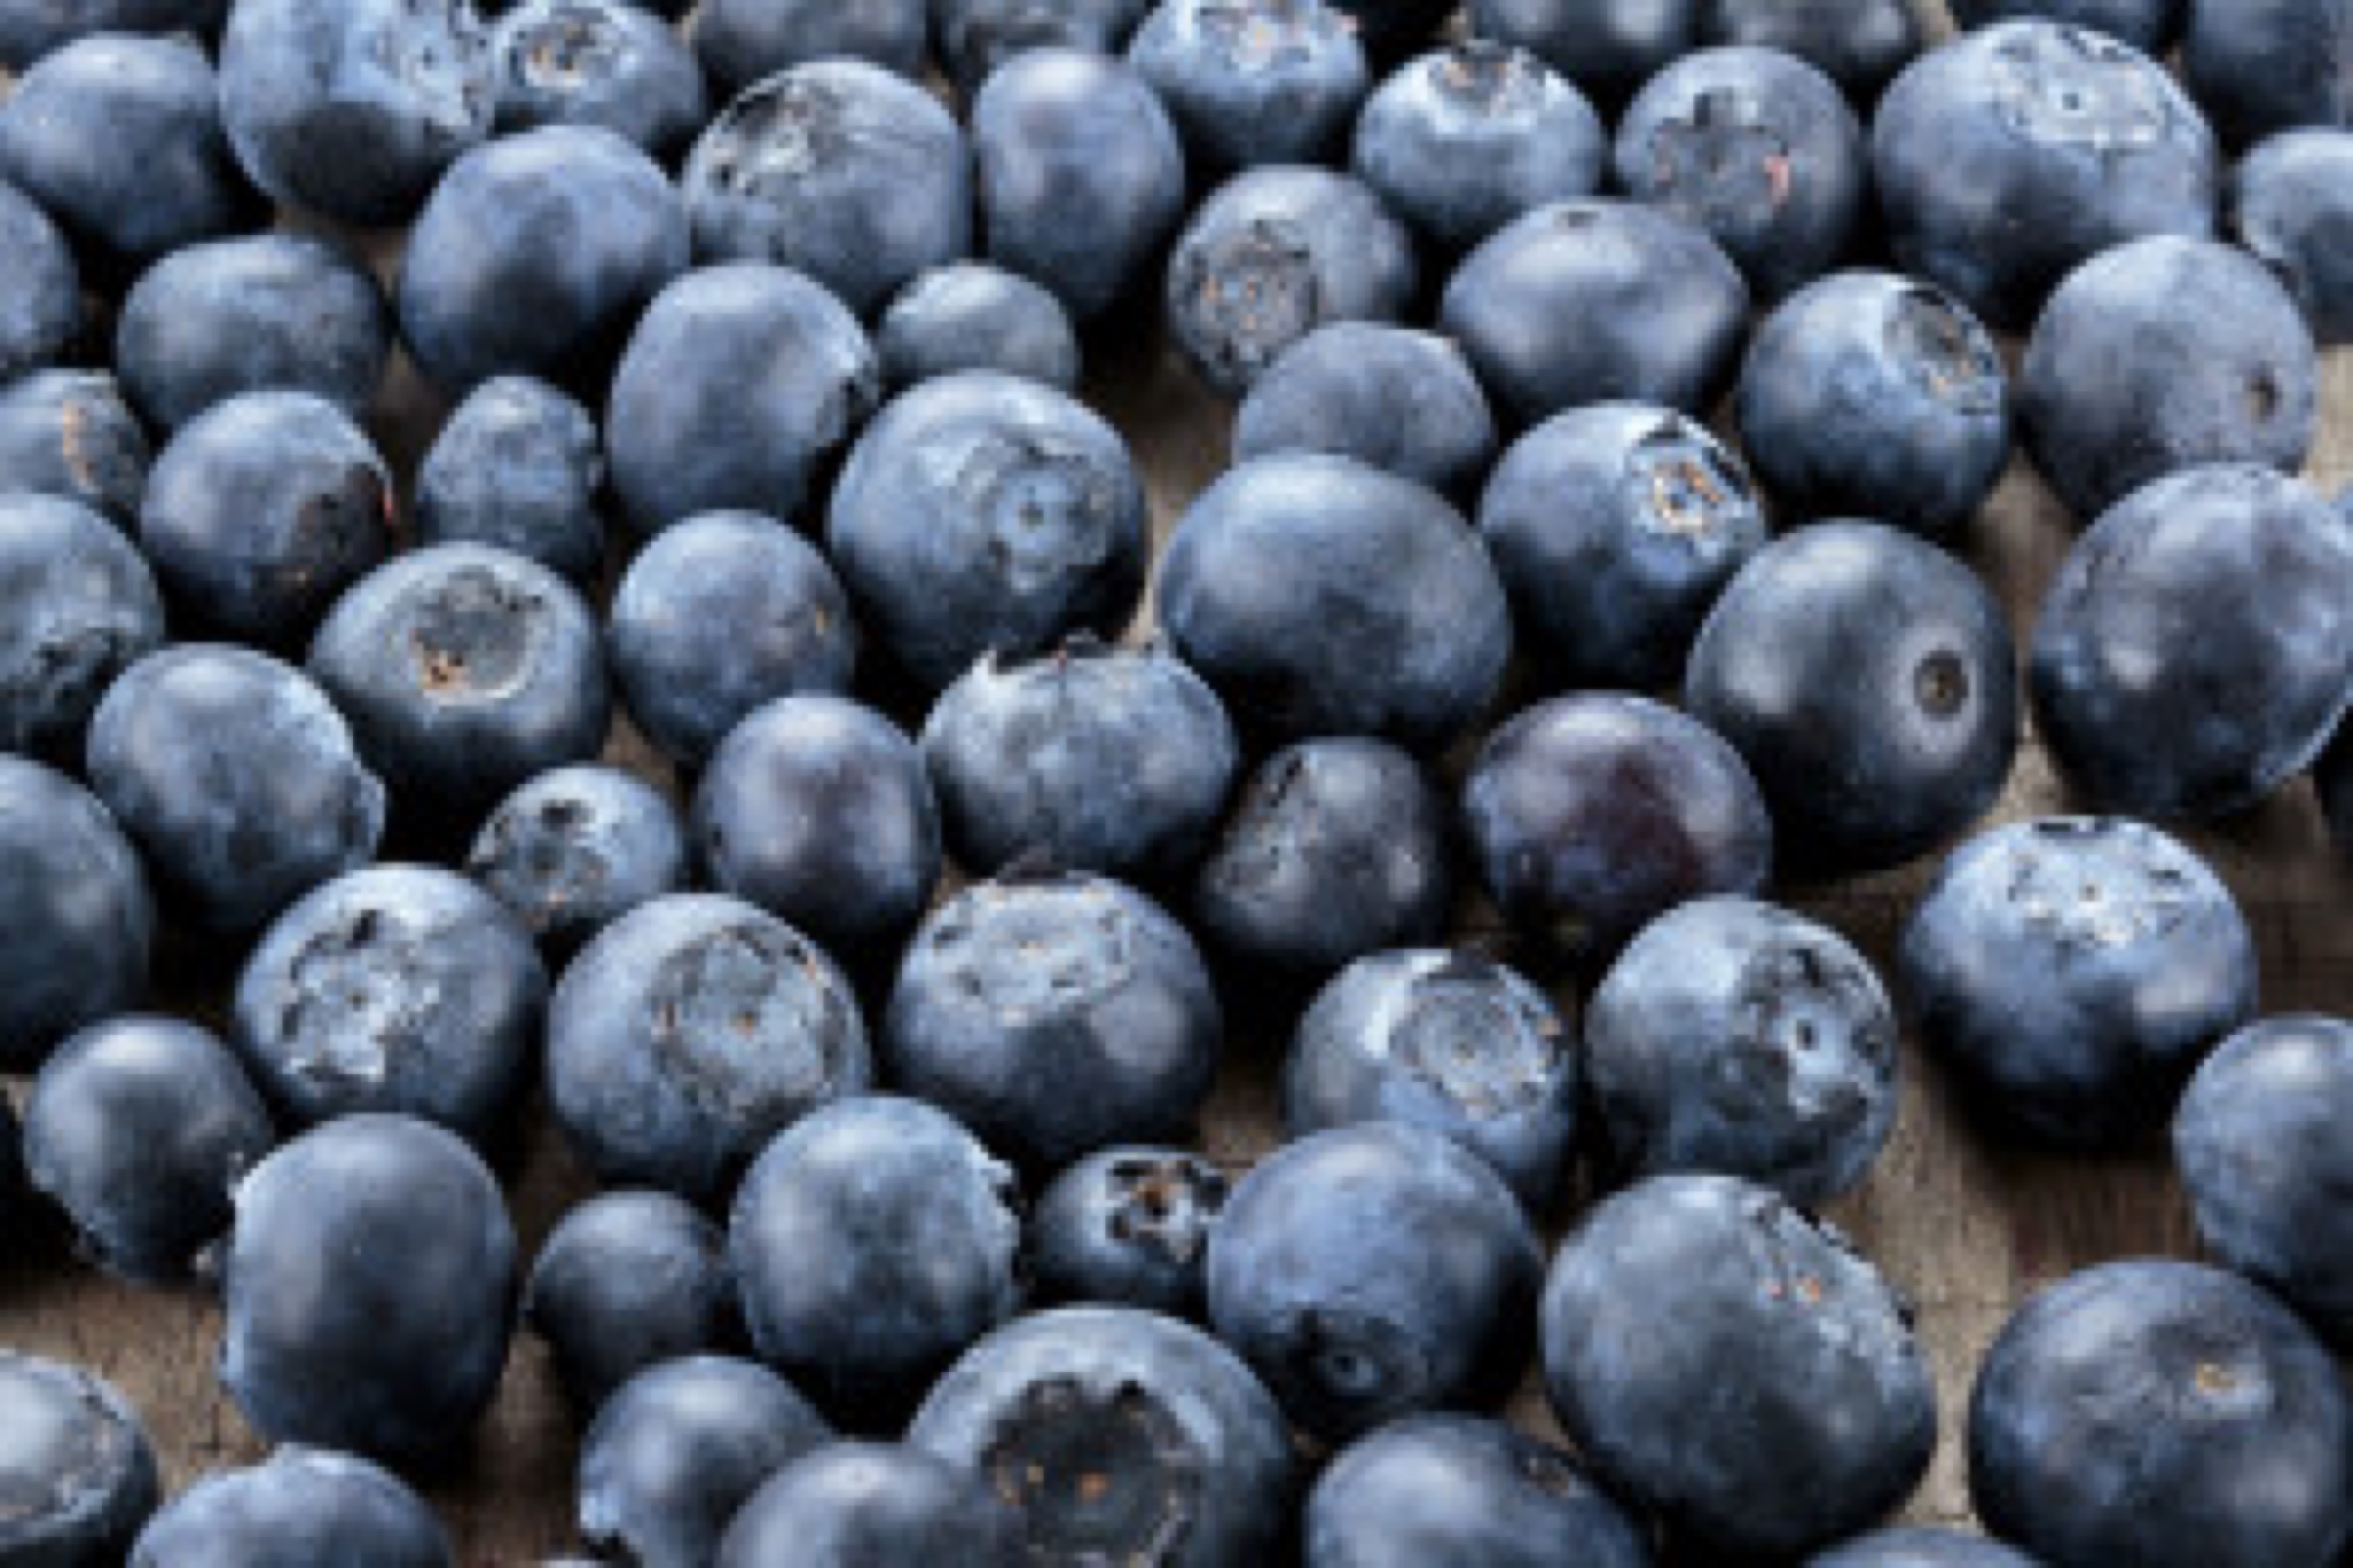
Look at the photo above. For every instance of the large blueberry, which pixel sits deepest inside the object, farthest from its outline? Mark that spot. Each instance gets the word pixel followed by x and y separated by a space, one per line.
pixel 70 433
pixel 975 37
pixel 40 288
pixel 2291 203
pixel 76 1465
pixel 75 918
pixel 2151 26
pixel 2261 66
pixel 610 63
pixel 575 848
pixel 741 42
pixel 519 465
pixel 29 31
pixel 864 1505
pixel 625 1280
pixel 1859 44
pixel 1262 82
pixel 1915 1547
pixel 1609 47
pixel 971 315
pixel 77 606
pixel 1402 401
pixel 1128 1227
pixel 297 1509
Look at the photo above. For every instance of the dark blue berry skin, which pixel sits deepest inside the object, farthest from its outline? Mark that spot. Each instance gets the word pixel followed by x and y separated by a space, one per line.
pixel 465 670
pixel 519 465
pixel 2291 203
pixel 2147 720
pixel 1266 82
pixel 975 37
pixel 1200 1470
pixel 40 288
pixel 872 1241
pixel 2161 1414
pixel 78 606
pixel 2266 66
pixel 1589 302
pixel 1322 1277
pixel 678 1450
pixel 1868 680
pixel 1441 1489
pixel 265 310
pixel 370 1285
pixel 396 988
pixel 1079 174
pixel 741 42
pixel 984 514
pixel 1274 253
pixel 577 847
pixel 1910 1548
pixel 2072 971
pixel 1609 47
pixel 871 1505
pixel 626 1281
pixel 298 1508
pixel 1320 596
pixel 29 31
pixel 69 433
pixel 1591 816
pixel 819 811
pixel 1871 395
pixel 687 1034
pixel 238 779
pixel 1615 527
pixel 853 174
pixel 717 616
pixel 2009 156
pixel 1128 1227
pixel 261 512
pixel 1105 759
pixel 607 63
pixel 1055 1015
pixel 78 1462
pixel 759 352
pixel 2150 25
pixel 76 917
pixel 971 315
pixel 1445 1041
pixel 1859 45
pixel 1402 401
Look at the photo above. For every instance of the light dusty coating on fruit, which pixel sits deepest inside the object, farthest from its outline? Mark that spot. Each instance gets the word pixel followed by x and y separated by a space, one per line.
pixel 2065 87
pixel 2133 893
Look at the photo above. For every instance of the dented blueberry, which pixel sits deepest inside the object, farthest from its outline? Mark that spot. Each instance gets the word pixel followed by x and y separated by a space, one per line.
pixel 1128 1227
pixel 607 63
pixel 575 848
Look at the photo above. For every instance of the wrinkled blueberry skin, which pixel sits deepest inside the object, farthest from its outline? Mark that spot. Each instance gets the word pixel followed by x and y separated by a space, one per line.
pixel 717 616
pixel 970 315
pixel 2073 969
pixel 1609 47
pixel 607 63
pixel 872 1241
pixel 759 352
pixel 70 433
pixel 393 1350
pixel 2147 720
pixel 40 289
pixel 1079 174
pixel 29 31
pixel 2264 66
pixel 1907 1547
pixel 984 514
pixel 1202 1471
pixel 1402 401
pixel 396 988
pixel 1274 253
pixel 1591 816
pixel 298 1508
pixel 870 1505
pixel 138 1128
pixel 1128 1227
pixel 1858 44
pixel 1335 849
pixel 2163 1414
pixel 1589 302
pixel 353 107
pixel 76 917
pixel 650 1071
pixel 2009 156
pixel 261 311
pixel 1868 680
pixel 1615 527
pixel 1441 1488
pixel 1055 1015
pixel 78 606
pixel 626 1281
pixel 261 512
pixel 1266 82
pixel 678 1448
pixel 741 42
pixel 1778 1322
pixel 1320 596
pixel 854 175
pixel 2149 26
pixel 78 1462
pixel 519 465
pixel 238 779
pixel 1106 759
pixel 577 847
pixel 2291 203
pixel 1871 395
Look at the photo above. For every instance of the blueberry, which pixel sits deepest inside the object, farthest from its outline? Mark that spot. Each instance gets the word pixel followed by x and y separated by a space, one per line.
pixel 610 63
pixel 353 107
pixel 1463 1489
pixel 1915 1548
pixel 984 514
pixel 298 1508
pixel 2263 65
pixel 2008 156
pixel 75 918
pixel 2146 719
pixel 262 510
pixel 972 316
pixel 1871 395
pixel 1588 302
pixel 77 606
pixel 1324 597
pixel 677 1451
pixel 626 1281
pixel 866 1505
pixel 40 289
pixel 1261 81
pixel 1055 1015
pixel 369 1282
pixel 1128 1227
pixel 69 433
pixel 1868 680
pixel 975 37
pixel 265 311
pixel 1450 1042
pixel 854 175
pixel 1120 1436
pixel 1609 47
pixel 1861 46
pixel 76 1464
pixel 1784 1403
pixel 759 352
pixel 237 777
pixel 688 1032
pixel 1402 401
pixel 464 669
pixel 2150 25
pixel 1274 253
pixel 1591 816
pixel 2291 199
pixel 1079 173
pixel 575 848
pixel 741 42
pixel 28 32
pixel 2161 1414
pixel 1615 527
pixel 519 465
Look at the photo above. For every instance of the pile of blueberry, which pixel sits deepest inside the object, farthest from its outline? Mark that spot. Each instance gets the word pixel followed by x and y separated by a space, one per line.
pixel 885 1006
